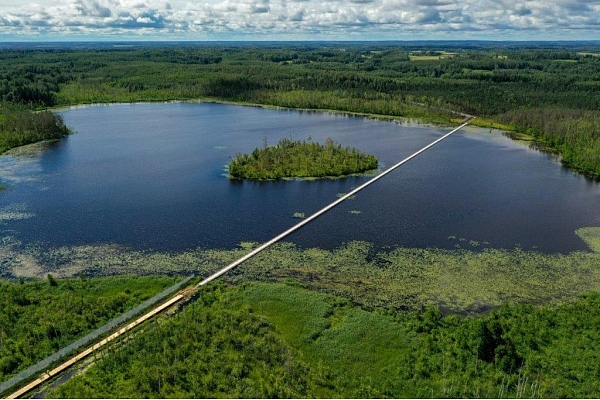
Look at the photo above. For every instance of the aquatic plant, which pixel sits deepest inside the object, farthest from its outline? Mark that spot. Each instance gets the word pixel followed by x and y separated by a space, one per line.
pixel 590 235
pixel 15 212
pixel 404 278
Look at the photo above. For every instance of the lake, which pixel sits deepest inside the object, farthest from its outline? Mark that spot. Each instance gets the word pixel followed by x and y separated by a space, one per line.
pixel 152 177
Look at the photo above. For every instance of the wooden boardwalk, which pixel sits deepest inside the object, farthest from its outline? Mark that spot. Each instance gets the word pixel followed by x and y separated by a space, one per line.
pixel 61 368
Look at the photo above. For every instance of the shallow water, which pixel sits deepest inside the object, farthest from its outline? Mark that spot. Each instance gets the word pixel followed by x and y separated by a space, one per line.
pixel 150 176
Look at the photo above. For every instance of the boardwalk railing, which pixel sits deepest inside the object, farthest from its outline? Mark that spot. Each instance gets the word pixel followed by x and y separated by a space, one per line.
pixel 45 363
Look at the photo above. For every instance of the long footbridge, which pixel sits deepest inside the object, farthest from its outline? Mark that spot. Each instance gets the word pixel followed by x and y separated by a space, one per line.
pixel 160 306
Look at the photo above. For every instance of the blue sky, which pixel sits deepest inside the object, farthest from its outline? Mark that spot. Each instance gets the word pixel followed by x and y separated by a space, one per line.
pixel 58 20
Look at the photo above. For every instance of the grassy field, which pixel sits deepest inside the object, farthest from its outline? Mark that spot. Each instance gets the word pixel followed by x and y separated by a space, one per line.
pixel 359 345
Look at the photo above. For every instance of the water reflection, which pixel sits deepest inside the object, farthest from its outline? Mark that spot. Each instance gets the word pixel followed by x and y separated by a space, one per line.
pixel 150 176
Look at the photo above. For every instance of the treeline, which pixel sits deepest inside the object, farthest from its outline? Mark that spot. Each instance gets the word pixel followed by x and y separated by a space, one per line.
pixel 20 126
pixel 485 82
pixel 295 159
pixel 280 340
pixel 37 318
pixel 376 78
pixel 576 134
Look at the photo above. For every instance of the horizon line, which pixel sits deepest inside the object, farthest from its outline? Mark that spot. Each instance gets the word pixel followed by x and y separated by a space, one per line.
pixel 299 41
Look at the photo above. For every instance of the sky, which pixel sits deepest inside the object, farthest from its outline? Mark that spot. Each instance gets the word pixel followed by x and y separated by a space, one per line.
pixel 207 20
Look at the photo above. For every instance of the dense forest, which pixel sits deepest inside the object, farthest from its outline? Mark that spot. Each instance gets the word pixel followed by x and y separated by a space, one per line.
pixel 19 126
pixel 574 133
pixel 509 83
pixel 262 340
pixel 297 159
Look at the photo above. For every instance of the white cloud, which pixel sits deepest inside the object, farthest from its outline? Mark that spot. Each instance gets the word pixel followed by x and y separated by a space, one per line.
pixel 302 19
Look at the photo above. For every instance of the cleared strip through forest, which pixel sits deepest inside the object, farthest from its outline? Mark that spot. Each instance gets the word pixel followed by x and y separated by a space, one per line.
pixel 222 271
pixel 276 239
pixel 45 363
pixel 72 361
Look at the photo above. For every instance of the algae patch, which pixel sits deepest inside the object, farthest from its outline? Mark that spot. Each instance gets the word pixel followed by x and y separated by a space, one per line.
pixel 591 236
pixel 14 212
pixel 462 281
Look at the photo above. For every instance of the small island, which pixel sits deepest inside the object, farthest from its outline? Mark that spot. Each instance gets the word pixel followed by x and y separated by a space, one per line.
pixel 301 159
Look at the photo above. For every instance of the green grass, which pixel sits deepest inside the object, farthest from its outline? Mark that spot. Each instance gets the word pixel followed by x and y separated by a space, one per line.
pixel 489 123
pixel 302 316
pixel 328 331
pixel 424 57
pixel 412 355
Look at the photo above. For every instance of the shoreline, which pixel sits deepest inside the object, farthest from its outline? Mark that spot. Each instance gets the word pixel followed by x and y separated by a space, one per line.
pixel 378 117
pixel 481 122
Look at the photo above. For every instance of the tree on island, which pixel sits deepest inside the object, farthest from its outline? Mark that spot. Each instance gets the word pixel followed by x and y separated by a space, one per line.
pixel 298 159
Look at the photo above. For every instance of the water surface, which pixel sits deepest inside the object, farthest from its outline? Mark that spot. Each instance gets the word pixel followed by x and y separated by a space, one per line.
pixel 150 176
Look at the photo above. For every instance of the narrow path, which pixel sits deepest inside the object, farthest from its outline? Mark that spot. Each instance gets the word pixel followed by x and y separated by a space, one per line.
pixel 44 364
pixel 93 348
pixel 222 271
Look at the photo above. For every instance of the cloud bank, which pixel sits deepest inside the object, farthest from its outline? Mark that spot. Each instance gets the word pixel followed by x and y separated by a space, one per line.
pixel 300 19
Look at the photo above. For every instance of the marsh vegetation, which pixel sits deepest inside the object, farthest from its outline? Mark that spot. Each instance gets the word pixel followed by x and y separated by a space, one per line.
pixel 467 281
pixel 282 340
pixel 351 322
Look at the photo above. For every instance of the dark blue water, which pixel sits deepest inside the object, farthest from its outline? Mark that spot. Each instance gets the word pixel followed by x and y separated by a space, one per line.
pixel 150 176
